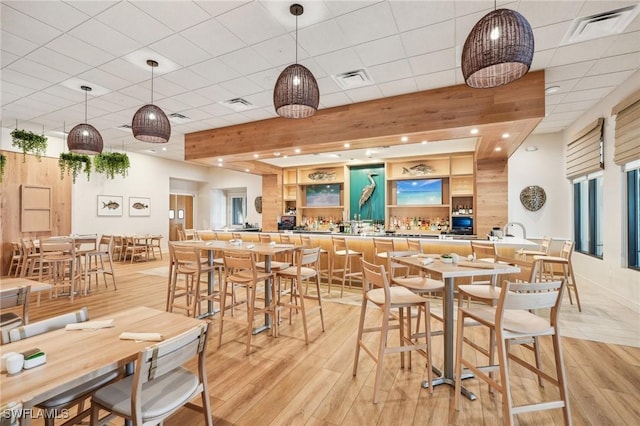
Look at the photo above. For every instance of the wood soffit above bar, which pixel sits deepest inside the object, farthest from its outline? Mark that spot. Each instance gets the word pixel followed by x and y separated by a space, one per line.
pixel 439 114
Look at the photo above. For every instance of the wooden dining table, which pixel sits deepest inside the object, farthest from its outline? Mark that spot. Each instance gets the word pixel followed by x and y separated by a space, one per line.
pixel 74 357
pixel 448 272
pixel 36 286
pixel 268 250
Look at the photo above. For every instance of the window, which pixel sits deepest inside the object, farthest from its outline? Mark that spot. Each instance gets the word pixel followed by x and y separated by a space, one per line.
pixel 587 213
pixel 633 224
pixel 236 208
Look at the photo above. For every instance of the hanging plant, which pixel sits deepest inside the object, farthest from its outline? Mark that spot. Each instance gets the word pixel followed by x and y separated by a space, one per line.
pixel 74 164
pixel 111 164
pixel 29 142
pixel 3 162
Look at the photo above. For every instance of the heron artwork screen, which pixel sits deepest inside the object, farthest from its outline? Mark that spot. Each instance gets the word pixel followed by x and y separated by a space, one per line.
pixel 323 195
pixel 419 192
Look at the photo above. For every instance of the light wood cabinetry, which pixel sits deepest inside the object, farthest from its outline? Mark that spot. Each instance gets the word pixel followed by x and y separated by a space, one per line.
pixel 449 181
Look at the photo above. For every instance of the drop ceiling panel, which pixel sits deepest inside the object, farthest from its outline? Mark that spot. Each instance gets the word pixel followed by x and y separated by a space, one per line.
pixel 433 62
pixel 340 61
pixel 380 51
pixel 22 26
pixel 575 52
pixel 362 94
pixel 603 80
pixel 179 50
pixel 104 79
pixel 280 51
pixel 215 8
pixel 436 79
pixel 615 64
pixel 398 87
pixel 60 16
pixel 213 37
pixel 251 23
pixel 322 38
pixel 93 7
pixel 241 86
pixel 334 99
pixel 369 23
pixel 429 39
pixel 176 15
pixel 186 79
pixel 551 12
pixel 134 23
pixel 16 44
pixel 245 61
pixel 390 71
pixel 586 95
pixel 21 79
pixel 410 15
pixel 103 37
pixel 567 72
pixel 216 93
pixel 80 50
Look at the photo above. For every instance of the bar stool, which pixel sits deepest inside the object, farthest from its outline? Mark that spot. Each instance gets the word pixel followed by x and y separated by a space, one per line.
pixel 30 259
pixel 382 247
pixel 307 243
pixel 16 259
pixel 187 262
pixel 94 263
pixel 305 269
pixel 59 255
pixel 241 271
pixel 276 265
pixel 342 254
pixel 566 274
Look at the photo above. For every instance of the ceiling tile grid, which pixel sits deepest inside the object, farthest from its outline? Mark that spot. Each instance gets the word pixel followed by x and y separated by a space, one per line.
pixel 216 51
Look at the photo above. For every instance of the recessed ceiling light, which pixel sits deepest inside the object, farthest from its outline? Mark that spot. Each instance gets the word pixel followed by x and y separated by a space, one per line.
pixel 256 155
pixel 277 154
pixel 347 145
pixel 404 139
pixel 505 135
pixel 474 131
pixel 423 142
pixel 285 156
pixel 219 164
pixel 297 150
pixel 551 89
pixel 164 148
pixel 246 170
pixel 220 160
pixel 498 149
pixel 531 148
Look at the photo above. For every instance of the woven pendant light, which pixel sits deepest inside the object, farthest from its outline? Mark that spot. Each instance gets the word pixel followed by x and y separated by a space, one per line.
pixel 150 123
pixel 296 93
pixel 498 50
pixel 84 138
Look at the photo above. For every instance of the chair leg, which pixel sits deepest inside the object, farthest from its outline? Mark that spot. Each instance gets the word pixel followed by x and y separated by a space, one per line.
pixel 381 350
pixel 223 300
pixel 363 310
pixel 538 358
pixel 574 285
pixel 505 389
pixel 250 310
pixel 427 327
pixel 562 379
pixel 320 300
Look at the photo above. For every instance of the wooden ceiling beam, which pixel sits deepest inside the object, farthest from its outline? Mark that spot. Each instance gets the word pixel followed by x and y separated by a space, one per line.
pixel 450 110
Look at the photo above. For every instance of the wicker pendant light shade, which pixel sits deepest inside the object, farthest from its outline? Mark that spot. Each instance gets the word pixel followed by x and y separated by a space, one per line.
pixel 296 93
pixel 150 123
pixel 498 50
pixel 84 138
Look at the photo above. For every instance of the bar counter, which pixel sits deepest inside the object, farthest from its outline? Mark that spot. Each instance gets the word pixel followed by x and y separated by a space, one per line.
pixel 432 244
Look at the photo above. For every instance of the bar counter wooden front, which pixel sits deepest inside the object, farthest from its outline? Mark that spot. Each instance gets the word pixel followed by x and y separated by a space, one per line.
pixel 73 357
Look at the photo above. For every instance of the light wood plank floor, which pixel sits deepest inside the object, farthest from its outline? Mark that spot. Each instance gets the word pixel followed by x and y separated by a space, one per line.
pixel 285 382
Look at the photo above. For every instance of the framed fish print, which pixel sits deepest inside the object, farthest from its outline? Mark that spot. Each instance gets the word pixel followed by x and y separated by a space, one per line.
pixel 139 206
pixel 109 205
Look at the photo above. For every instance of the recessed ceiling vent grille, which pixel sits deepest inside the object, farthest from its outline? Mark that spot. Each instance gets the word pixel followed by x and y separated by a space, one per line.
pixel 353 79
pixel 178 118
pixel 238 104
pixel 600 25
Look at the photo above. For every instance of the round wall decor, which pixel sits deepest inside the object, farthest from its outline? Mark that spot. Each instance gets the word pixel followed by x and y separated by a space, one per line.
pixel 258 204
pixel 533 197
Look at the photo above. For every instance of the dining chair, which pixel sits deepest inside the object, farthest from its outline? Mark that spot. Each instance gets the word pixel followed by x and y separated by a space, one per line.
pixel 60 257
pixel 307 242
pixel 12 298
pixel 31 266
pixel 136 247
pixel 305 269
pixel 565 272
pixel 377 291
pixel 118 247
pixel 188 263
pixel 341 263
pixel 513 319
pixel 241 270
pixel 381 249
pixel 155 244
pixel 94 263
pixel 414 245
pixel 78 395
pixel 160 385
pixel 16 259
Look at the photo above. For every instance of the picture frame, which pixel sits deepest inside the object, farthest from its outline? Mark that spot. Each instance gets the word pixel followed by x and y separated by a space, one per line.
pixel 109 205
pixel 139 206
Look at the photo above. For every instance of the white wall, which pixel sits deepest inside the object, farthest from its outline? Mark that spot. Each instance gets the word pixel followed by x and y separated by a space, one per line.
pixel 610 272
pixel 545 168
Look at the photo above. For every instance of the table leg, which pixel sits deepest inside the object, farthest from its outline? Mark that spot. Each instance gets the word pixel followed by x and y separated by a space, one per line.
pixel 447 377
pixel 267 297
pixel 210 287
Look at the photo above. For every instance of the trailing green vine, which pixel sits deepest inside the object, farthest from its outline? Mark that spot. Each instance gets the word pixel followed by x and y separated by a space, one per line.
pixel 73 164
pixel 29 142
pixel 3 162
pixel 111 164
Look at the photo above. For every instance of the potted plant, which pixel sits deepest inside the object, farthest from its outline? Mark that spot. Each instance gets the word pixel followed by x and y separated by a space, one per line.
pixel 29 142
pixel 74 164
pixel 112 163
pixel 3 162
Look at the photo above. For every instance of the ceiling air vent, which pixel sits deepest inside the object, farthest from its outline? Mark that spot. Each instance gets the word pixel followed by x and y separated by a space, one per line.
pixel 124 127
pixel 353 79
pixel 600 25
pixel 178 118
pixel 238 104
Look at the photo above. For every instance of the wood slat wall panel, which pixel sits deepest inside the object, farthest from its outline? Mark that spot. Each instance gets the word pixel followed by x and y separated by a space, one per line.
pixel 31 172
pixel 492 203
pixel 271 201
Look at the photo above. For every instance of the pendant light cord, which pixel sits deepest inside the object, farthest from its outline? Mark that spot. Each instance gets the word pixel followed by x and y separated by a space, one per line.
pixel 152 84
pixel 86 94
pixel 296 39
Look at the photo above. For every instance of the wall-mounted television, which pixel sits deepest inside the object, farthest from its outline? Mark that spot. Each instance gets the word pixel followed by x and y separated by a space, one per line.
pixel 419 192
pixel 322 195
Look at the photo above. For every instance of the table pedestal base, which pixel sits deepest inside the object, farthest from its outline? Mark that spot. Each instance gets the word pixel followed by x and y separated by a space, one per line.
pixel 441 380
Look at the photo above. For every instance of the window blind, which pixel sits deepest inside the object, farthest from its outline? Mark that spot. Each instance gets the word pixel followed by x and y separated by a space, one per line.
pixel 627 144
pixel 584 153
